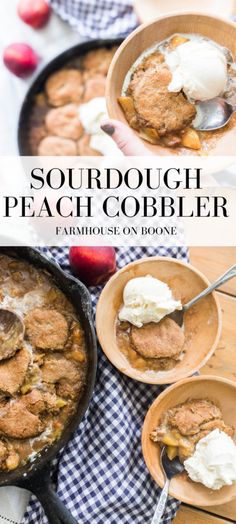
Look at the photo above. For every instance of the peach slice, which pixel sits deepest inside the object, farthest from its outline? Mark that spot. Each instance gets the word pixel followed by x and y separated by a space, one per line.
pixel 172 452
pixel 178 40
pixel 190 139
pixel 127 104
pixel 150 134
pixel 170 440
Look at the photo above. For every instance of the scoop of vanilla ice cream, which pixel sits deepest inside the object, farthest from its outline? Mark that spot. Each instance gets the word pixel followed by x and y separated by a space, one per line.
pixel 214 461
pixel 91 114
pixel 199 69
pixel 147 299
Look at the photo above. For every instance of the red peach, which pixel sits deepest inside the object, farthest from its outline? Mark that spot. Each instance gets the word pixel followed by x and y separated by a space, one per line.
pixel 35 13
pixel 20 59
pixel 92 265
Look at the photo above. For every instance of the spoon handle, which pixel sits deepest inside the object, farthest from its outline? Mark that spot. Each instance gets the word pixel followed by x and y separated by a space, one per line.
pixel 156 519
pixel 230 273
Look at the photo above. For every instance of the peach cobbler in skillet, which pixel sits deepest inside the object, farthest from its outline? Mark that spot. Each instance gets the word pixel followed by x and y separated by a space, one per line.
pixel 42 378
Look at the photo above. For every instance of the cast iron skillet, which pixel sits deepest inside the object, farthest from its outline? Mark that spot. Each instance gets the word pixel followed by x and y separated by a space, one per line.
pixel 35 476
pixel 66 58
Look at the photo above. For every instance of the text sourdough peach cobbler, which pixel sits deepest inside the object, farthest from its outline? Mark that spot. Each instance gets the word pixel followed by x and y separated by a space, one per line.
pixel 40 384
pixel 161 90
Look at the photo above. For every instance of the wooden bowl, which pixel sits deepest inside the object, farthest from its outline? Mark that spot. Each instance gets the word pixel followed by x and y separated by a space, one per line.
pixel 202 323
pixel 223 393
pixel 221 31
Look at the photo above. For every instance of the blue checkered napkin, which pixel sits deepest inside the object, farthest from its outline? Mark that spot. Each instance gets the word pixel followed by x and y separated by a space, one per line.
pixel 101 475
pixel 97 18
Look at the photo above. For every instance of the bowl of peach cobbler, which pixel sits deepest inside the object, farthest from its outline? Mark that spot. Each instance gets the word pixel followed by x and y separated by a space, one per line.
pixel 195 419
pixel 161 73
pixel 141 339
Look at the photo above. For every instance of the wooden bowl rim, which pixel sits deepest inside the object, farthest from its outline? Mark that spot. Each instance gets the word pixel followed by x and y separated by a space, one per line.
pixel 201 378
pixel 129 371
pixel 153 149
pixel 179 13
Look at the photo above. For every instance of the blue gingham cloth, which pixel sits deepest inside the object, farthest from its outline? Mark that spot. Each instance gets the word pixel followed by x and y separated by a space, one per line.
pixel 101 475
pixel 97 18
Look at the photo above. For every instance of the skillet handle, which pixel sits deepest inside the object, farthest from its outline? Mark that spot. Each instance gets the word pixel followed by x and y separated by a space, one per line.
pixel 55 510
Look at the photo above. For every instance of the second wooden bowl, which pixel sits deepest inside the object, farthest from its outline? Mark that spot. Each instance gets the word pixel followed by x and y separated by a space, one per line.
pixel 221 31
pixel 202 323
pixel 223 393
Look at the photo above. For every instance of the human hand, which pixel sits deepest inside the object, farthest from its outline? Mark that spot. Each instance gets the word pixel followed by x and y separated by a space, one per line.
pixel 125 138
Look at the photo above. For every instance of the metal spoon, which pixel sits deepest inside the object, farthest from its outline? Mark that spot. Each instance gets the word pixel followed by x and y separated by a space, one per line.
pixel 11 333
pixel 213 114
pixel 170 469
pixel 178 316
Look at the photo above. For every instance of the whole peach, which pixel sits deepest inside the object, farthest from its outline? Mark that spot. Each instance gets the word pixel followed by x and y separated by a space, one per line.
pixel 20 59
pixel 92 265
pixel 35 13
